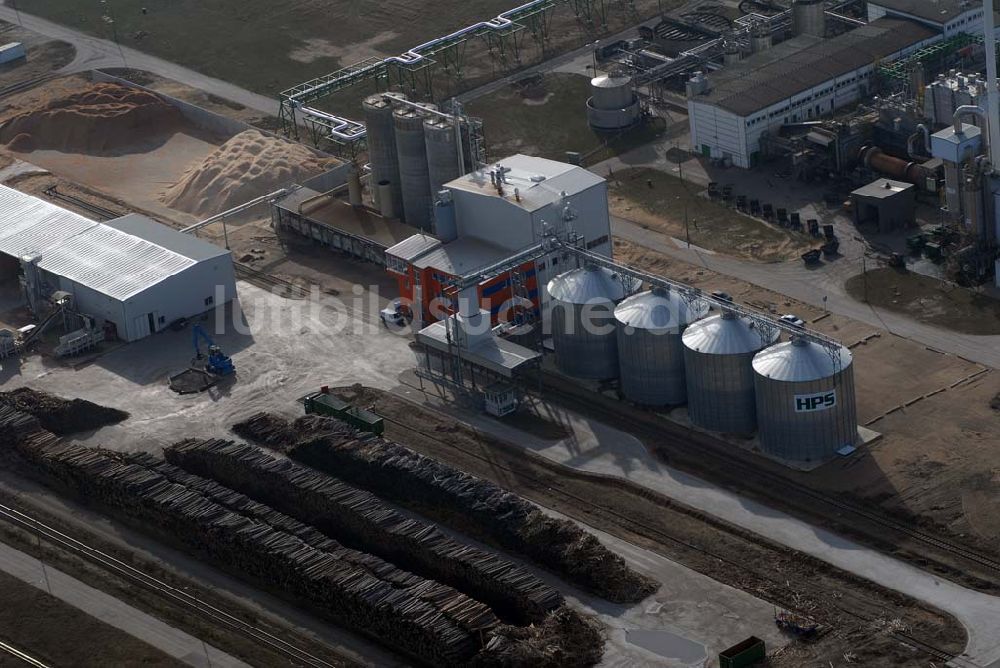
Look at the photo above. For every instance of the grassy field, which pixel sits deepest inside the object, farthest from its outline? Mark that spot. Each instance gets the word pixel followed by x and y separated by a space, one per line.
pixel 659 201
pixel 928 300
pixel 547 119
pixel 265 45
pixel 269 45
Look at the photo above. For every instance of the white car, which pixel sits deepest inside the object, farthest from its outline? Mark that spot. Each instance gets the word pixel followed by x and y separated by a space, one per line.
pixel 396 314
pixel 793 320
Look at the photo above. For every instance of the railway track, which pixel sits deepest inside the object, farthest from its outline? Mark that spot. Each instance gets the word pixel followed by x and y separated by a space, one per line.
pixel 270 282
pixel 21 656
pixel 52 192
pixel 165 590
pixel 645 529
pixel 656 433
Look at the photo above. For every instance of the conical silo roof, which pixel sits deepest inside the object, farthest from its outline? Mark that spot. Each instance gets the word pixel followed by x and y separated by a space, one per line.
pixel 801 360
pixel 587 285
pixel 727 334
pixel 660 310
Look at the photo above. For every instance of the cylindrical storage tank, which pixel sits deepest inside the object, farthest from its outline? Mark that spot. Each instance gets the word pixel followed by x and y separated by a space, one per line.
pixel 414 177
pixel 718 356
pixel 354 187
pixel 445 223
pixel 613 105
pixel 612 92
pixel 382 154
pixel 583 322
pixel 384 189
pixel 650 353
pixel 806 407
pixel 442 152
pixel 808 18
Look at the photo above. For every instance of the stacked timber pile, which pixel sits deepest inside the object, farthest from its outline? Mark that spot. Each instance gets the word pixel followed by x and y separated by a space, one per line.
pixel 361 518
pixel 564 640
pixel 471 505
pixel 425 619
pixel 61 416
pixel 22 430
pixel 267 429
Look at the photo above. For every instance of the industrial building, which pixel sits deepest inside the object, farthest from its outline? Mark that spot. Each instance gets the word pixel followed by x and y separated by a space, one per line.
pixel 801 79
pixel 487 215
pixel 887 205
pixel 948 17
pixel 131 276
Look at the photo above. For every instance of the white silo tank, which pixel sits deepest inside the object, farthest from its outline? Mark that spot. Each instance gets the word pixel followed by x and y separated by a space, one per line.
pixel 583 322
pixel 613 104
pixel 806 408
pixel 414 176
pixel 381 137
pixel 718 356
pixel 442 151
pixel 650 353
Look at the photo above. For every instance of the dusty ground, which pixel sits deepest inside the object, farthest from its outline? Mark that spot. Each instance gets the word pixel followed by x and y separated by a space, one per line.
pixel 28 616
pixel 928 300
pixel 44 55
pixel 855 616
pixel 937 462
pixel 285 42
pixel 666 204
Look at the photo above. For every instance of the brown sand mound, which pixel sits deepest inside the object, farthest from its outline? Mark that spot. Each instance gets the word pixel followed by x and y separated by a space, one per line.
pixel 249 165
pixel 101 118
pixel 61 416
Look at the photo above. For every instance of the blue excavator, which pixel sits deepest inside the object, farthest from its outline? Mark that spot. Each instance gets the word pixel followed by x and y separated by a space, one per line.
pixel 215 361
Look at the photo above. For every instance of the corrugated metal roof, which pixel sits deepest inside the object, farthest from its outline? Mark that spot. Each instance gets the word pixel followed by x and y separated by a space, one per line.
pixel 112 262
pixel 804 62
pixel 413 247
pixel 30 226
pixel 119 260
pixel 498 355
pixel 587 285
pixel 720 335
pixel 660 310
pixel 800 361
pixel 935 11
pixel 462 256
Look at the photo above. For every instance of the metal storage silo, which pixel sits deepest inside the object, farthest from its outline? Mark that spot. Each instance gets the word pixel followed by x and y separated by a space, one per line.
pixel 613 104
pixel 650 353
pixel 805 400
pixel 381 137
pixel 718 356
pixel 442 151
pixel 809 18
pixel 414 176
pixel 583 323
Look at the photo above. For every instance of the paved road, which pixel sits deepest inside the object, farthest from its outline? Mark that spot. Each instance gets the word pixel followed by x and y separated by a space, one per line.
pixel 94 53
pixel 110 610
pixel 810 286
pixel 598 448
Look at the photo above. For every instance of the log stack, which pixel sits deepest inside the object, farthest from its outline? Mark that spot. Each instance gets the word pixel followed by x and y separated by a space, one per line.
pixel 362 519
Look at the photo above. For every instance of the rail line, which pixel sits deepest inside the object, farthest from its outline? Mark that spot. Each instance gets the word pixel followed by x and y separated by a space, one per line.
pixel 658 430
pixel 102 214
pixel 164 589
pixel 21 656
pixel 652 531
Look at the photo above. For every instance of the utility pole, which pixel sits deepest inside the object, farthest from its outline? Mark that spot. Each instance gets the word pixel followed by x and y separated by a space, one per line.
pixel 109 18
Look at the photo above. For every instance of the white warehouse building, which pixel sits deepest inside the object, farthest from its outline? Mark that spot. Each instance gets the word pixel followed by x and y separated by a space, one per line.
pixel 949 17
pixel 800 79
pixel 133 275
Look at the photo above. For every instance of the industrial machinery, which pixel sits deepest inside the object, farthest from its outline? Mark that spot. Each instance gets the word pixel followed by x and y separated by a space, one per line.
pixel 215 361
pixel 325 403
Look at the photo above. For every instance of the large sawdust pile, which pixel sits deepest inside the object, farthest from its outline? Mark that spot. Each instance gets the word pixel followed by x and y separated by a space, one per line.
pixel 61 416
pixel 249 165
pixel 100 118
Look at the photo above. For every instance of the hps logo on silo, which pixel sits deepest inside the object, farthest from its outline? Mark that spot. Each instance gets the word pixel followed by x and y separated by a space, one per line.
pixel 809 403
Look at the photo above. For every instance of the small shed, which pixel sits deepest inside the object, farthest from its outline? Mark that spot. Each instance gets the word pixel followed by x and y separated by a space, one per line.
pixel 887 204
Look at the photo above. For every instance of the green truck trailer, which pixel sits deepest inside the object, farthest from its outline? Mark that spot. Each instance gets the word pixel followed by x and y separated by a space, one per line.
pixel 746 653
pixel 324 403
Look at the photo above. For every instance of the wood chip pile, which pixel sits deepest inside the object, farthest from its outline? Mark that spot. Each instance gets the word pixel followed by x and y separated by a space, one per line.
pixel 361 519
pixel 565 639
pixel 470 505
pixel 425 619
pixel 61 416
